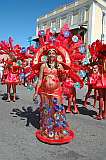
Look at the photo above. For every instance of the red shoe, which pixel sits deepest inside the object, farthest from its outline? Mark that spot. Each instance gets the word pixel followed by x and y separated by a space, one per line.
pixel 76 112
pixel 8 100
pixel 14 100
pixel 104 116
pixel 94 106
pixel 85 104
pixel 98 117
pixel 68 111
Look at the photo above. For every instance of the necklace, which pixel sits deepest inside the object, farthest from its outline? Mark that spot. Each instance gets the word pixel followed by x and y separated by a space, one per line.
pixel 52 65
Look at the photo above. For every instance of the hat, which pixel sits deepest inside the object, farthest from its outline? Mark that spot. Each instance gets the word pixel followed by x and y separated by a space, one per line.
pixel 51 47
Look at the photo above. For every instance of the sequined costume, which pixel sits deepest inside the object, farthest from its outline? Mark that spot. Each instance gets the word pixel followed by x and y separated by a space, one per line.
pixel 93 75
pixel 53 123
pixel 12 76
pixel 66 87
pixel 101 80
pixel 69 83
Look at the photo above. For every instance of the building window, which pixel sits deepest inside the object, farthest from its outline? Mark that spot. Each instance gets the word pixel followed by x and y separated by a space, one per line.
pixel 41 26
pixel 82 15
pixel 69 19
pixel 82 34
pixel 49 24
pixel 58 23
pixel 104 19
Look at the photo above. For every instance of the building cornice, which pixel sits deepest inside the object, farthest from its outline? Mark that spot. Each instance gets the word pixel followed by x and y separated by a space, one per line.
pixel 100 5
pixel 84 4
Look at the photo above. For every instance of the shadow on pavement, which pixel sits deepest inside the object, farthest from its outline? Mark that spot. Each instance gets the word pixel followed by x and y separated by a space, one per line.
pixel 4 96
pixel 83 110
pixel 33 117
pixel 86 111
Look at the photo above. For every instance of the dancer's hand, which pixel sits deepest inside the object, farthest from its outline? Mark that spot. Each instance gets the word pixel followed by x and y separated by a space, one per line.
pixel 35 97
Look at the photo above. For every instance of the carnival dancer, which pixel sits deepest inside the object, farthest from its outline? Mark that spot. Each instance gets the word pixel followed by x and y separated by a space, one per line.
pixel 93 71
pixel 69 85
pixel 12 77
pixel 101 80
pixel 54 128
pixel 69 90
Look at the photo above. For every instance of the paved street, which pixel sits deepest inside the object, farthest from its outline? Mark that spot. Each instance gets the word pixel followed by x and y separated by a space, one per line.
pixel 20 120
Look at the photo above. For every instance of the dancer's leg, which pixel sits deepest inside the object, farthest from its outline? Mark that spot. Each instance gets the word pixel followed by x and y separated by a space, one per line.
pixel 88 94
pixel 69 104
pixel 104 113
pixel 95 97
pixel 101 94
pixel 14 91
pixel 8 92
pixel 74 101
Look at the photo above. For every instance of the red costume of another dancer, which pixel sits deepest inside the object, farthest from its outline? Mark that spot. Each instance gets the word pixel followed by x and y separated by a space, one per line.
pixel 16 53
pixel 101 81
pixel 69 90
pixel 93 71
pixel 12 77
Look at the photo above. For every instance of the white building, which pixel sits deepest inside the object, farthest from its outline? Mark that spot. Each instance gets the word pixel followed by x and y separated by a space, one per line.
pixel 84 17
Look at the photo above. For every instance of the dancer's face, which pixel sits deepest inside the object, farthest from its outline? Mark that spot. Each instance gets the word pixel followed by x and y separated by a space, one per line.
pixel 51 55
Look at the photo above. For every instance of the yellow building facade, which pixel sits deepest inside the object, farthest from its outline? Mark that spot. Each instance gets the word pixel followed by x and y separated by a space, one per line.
pixel 84 17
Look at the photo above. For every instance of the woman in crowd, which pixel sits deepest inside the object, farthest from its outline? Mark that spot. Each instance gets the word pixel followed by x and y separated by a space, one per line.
pixel 69 90
pixel 101 80
pixel 93 71
pixel 12 77
pixel 54 128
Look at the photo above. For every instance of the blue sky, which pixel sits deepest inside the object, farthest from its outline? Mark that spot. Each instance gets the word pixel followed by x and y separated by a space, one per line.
pixel 18 17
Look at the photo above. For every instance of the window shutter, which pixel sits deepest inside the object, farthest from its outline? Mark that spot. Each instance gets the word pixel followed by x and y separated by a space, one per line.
pixel 49 24
pixel 58 23
pixel 69 19
pixel 82 15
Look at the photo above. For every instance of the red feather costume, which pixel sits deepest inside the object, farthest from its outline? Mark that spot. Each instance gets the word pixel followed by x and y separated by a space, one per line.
pixel 54 128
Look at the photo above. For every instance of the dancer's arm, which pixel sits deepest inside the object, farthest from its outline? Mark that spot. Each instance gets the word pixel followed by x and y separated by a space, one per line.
pixel 39 82
pixel 62 72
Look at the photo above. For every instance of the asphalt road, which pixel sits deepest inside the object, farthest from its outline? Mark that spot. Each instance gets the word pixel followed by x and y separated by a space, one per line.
pixel 19 122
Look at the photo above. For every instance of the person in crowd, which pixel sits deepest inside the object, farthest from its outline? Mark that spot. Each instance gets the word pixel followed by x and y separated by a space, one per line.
pixel 53 123
pixel 12 77
pixel 93 71
pixel 101 80
pixel 69 90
